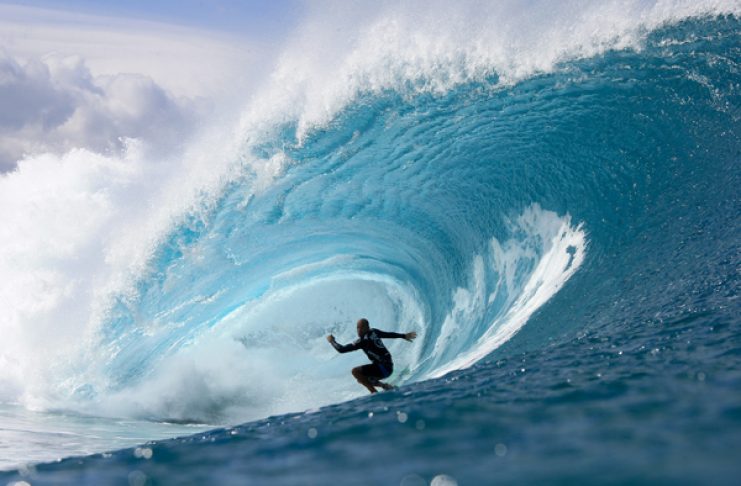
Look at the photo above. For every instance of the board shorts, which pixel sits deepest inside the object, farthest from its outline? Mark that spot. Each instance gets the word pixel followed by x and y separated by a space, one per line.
pixel 377 371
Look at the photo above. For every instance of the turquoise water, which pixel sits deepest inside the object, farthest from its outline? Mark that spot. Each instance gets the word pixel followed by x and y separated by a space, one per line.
pixel 29 437
pixel 566 246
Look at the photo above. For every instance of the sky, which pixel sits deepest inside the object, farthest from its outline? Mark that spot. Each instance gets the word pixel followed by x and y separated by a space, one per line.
pixel 84 74
pixel 255 18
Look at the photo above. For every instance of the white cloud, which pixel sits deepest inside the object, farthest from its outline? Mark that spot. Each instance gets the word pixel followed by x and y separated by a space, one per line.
pixel 70 81
pixel 56 104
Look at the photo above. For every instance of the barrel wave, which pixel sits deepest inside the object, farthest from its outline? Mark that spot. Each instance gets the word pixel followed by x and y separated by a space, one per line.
pixel 557 237
pixel 403 212
pixel 458 214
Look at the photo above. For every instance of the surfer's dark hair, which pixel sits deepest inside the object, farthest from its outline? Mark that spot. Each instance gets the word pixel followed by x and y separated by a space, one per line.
pixel 364 321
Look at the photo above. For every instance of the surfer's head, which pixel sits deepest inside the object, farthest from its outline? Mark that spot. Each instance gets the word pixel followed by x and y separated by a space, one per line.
pixel 363 327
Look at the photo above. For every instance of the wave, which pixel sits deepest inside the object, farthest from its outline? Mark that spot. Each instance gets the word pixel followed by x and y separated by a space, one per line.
pixel 420 175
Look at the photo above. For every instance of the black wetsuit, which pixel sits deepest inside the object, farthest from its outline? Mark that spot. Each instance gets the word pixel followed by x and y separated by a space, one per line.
pixel 382 365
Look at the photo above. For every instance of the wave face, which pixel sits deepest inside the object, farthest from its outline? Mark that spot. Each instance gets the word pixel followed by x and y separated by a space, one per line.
pixel 598 195
pixel 401 211
pixel 426 212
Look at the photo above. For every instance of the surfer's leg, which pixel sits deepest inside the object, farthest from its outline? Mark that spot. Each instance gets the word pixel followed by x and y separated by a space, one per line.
pixel 377 382
pixel 362 379
pixel 378 372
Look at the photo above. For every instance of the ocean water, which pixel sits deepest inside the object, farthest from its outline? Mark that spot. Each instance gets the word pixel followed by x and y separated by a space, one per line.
pixel 562 231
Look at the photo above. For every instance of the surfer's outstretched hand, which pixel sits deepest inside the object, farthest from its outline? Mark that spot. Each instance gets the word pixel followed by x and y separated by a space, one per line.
pixel 330 338
pixel 410 336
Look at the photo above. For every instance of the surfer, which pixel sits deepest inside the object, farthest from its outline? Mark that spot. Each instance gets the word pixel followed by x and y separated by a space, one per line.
pixel 369 341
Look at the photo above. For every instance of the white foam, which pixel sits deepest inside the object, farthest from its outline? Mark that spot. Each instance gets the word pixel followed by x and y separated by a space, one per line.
pixel 271 356
pixel 557 248
pixel 78 229
pixel 424 46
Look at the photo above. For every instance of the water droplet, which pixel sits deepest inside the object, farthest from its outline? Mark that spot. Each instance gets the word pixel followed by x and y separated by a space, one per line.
pixel 143 452
pixel 500 450
pixel 27 470
pixel 370 414
pixel 401 416
pixel 420 425
pixel 413 480
pixel 137 478
pixel 443 480
pixel 312 433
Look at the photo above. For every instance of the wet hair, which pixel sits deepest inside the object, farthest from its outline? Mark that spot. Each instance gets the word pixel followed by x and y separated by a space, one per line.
pixel 364 322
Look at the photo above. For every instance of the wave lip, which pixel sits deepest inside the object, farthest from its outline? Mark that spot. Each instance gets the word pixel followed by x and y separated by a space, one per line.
pixel 408 49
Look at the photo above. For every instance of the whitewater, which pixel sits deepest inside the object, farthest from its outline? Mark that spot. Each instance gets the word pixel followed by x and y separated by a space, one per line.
pixel 546 193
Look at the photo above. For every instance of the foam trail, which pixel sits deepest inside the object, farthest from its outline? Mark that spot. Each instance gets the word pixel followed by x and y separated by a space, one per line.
pixel 562 248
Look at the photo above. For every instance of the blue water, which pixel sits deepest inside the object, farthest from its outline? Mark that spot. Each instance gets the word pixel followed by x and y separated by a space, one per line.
pixel 579 230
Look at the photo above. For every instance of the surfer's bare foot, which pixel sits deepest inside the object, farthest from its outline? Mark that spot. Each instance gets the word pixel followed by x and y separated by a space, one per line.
pixel 385 386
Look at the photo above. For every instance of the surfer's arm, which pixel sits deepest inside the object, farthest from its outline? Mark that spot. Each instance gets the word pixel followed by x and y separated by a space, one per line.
pixel 346 348
pixel 396 335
